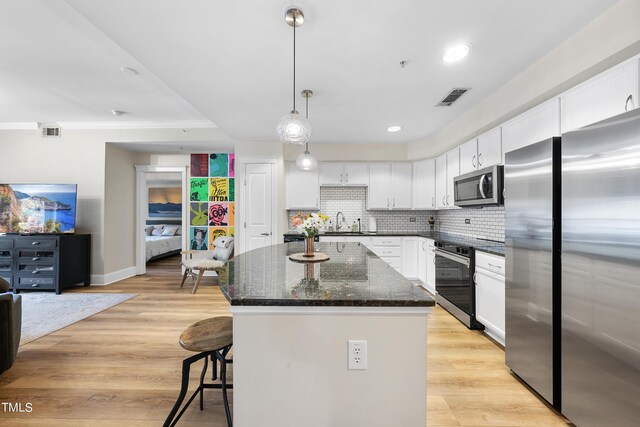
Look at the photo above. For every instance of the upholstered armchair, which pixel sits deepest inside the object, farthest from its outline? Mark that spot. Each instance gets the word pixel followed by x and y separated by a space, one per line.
pixel 10 325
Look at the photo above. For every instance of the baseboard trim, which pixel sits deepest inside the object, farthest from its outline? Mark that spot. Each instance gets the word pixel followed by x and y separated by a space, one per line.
pixel 116 276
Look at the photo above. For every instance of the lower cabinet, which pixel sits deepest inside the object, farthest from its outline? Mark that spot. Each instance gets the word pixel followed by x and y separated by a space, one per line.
pixel 410 257
pixel 426 264
pixel 490 295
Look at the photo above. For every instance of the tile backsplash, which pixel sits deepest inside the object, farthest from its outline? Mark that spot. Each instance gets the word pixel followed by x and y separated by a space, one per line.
pixel 487 223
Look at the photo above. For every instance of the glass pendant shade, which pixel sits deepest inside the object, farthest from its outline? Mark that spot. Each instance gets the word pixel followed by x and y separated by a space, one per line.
pixel 294 129
pixel 306 161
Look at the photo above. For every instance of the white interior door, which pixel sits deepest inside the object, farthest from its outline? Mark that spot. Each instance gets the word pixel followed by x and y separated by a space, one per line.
pixel 259 209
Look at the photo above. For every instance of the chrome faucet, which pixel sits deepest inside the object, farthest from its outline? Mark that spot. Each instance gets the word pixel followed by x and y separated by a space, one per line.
pixel 337 221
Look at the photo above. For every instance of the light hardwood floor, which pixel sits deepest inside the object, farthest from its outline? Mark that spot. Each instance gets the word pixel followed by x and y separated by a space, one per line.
pixel 122 367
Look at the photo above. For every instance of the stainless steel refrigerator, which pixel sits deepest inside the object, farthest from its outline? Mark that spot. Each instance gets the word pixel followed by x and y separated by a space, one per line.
pixel 572 212
pixel 601 273
pixel 532 235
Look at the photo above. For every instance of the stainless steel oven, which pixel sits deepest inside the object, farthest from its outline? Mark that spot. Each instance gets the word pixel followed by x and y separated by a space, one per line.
pixel 480 188
pixel 455 288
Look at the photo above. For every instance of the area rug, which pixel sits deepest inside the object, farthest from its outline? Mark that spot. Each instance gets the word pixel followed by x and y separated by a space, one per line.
pixel 46 312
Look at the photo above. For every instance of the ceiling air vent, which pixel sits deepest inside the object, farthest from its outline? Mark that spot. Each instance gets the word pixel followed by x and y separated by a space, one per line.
pixel 452 97
pixel 50 130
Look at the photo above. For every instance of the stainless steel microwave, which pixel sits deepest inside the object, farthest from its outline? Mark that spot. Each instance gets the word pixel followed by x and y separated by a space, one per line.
pixel 480 188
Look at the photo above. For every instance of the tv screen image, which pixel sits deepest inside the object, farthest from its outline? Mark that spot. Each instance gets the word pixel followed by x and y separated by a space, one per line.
pixel 38 208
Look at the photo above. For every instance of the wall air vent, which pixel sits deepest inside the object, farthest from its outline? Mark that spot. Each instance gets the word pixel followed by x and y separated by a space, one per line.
pixel 50 130
pixel 452 97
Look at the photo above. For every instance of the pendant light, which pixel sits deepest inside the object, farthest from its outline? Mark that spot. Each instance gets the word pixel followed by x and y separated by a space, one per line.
pixel 307 161
pixel 293 128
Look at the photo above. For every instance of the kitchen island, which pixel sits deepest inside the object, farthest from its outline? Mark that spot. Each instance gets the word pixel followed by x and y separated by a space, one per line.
pixel 292 324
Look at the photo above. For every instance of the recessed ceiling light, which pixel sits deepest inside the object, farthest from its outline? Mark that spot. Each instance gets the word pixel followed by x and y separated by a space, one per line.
pixel 394 128
pixel 456 53
pixel 130 71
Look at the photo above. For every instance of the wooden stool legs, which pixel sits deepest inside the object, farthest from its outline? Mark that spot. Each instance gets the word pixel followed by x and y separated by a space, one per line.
pixel 216 356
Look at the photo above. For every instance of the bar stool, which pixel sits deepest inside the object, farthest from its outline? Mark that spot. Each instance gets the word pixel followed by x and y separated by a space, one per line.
pixel 211 338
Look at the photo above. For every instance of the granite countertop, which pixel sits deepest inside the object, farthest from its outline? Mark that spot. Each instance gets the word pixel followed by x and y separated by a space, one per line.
pixel 489 246
pixel 353 277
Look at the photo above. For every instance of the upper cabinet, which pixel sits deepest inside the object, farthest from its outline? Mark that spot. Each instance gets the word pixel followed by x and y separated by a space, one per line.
pixel 303 188
pixel 453 170
pixel 469 156
pixel 535 125
pixel 605 95
pixel 441 181
pixel 390 186
pixel 338 174
pixel 481 152
pixel 424 184
pixel 489 149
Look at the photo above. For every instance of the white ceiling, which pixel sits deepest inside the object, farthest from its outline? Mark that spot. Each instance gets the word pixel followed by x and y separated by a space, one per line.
pixel 229 62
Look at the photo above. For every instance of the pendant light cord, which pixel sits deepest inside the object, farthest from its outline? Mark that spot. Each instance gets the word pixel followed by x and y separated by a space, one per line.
pixel 294 60
pixel 306 116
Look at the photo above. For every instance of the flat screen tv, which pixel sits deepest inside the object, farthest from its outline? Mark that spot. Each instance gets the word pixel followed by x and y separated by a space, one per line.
pixel 38 208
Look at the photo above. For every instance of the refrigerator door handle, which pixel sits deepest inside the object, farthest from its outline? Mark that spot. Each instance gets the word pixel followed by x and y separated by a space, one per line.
pixel 481 184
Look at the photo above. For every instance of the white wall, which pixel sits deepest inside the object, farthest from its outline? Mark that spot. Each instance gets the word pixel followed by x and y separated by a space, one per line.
pixel 350 152
pixel 119 209
pixel 610 39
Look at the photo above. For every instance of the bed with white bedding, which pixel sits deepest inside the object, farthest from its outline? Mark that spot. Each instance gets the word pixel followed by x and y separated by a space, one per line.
pixel 160 246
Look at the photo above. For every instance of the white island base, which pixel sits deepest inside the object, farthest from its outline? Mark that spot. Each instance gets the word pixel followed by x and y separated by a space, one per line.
pixel 290 366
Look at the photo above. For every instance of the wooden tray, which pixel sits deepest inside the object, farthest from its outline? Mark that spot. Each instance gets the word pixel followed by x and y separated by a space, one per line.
pixel 317 257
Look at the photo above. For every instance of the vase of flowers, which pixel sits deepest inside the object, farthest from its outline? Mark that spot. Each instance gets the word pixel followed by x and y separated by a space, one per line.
pixel 309 226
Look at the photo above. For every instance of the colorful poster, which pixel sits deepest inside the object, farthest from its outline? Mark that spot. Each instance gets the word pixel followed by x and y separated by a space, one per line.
pixel 165 202
pixel 198 213
pixel 198 191
pixel 232 189
pixel 232 213
pixel 198 238
pixel 219 214
pixel 200 165
pixel 212 198
pixel 219 165
pixel 219 190
pixel 232 231
pixel 214 233
pixel 232 165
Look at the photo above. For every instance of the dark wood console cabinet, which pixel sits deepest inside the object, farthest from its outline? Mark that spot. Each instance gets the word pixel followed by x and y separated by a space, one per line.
pixel 45 262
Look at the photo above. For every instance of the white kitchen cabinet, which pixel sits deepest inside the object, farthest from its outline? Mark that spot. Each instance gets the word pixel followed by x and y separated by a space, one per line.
pixel 605 95
pixel 401 185
pixel 453 170
pixel 469 156
pixel 410 257
pixel 424 184
pixel 378 196
pixel 390 186
pixel 356 174
pixel 431 267
pixel 441 181
pixel 533 126
pixel 335 174
pixel 422 260
pixel 331 173
pixel 303 188
pixel 489 148
pixel 490 294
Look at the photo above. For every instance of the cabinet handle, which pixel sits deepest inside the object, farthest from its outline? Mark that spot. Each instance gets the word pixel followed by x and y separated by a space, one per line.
pixel 36 271
pixel 35 259
pixel 433 202
pixel 443 202
pixel 347 180
pixel 434 260
pixel 447 200
pixel 474 278
pixel 35 285
pixel 629 101
pixel 394 202
pixel 387 202
pixel 495 266
pixel 340 178
pixel 479 159
pixel 35 243
pixel 473 161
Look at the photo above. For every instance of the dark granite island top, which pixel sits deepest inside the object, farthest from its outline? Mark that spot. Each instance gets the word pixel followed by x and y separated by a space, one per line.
pixel 353 277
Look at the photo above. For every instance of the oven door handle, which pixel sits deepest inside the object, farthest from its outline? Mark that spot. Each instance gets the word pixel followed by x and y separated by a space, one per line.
pixel 453 257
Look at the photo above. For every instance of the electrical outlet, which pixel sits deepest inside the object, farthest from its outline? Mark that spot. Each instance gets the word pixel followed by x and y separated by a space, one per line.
pixel 357 353
pixel 412 219
pixel 467 221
